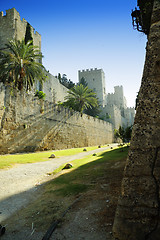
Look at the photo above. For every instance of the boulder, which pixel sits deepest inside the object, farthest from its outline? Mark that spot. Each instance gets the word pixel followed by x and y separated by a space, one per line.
pixel 67 166
pixel 52 156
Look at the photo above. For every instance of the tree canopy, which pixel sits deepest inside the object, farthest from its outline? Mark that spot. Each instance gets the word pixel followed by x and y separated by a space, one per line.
pixel 19 65
pixel 80 98
pixel 83 82
pixel 123 133
pixel 65 81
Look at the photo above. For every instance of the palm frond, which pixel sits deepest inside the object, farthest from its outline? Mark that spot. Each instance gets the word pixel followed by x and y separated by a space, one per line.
pixel 19 64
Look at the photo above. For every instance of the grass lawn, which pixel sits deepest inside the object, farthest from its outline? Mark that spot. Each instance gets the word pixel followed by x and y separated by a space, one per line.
pixel 84 170
pixel 86 177
pixel 10 160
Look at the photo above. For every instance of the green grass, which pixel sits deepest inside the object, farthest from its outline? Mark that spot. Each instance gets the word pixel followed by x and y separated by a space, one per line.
pixel 87 169
pixel 87 174
pixel 71 189
pixel 10 160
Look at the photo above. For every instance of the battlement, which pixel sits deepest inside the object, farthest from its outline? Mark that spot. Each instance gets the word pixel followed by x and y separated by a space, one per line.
pixel 10 14
pixel 118 87
pixel 90 70
pixel 12 18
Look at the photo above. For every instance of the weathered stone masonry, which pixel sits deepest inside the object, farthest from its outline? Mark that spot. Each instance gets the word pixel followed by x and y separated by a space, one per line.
pixel 138 212
pixel 29 124
pixel 12 27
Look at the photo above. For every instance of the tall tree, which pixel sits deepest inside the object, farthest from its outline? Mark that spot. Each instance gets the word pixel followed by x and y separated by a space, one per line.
pixel 28 35
pixel 120 133
pixel 123 133
pixel 80 98
pixel 18 65
pixel 65 81
pixel 59 77
pixel 83 82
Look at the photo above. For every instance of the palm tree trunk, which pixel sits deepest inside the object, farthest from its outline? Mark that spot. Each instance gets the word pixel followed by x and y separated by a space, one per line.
pixel 20 80
pixel 138 211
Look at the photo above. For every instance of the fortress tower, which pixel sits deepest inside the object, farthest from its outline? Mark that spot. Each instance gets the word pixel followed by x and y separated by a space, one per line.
pixel 96 81
pixel 12 27
pixel 120 100
pixel 117 98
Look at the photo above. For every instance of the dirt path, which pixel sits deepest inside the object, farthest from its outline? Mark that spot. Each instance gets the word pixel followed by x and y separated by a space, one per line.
pixel 19 183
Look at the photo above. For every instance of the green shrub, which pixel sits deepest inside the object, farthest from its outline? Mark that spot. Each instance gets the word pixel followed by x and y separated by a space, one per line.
pixel 40 94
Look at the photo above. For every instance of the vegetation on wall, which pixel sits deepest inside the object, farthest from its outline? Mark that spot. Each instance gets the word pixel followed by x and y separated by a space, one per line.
pixel 40 94
pixel 19 66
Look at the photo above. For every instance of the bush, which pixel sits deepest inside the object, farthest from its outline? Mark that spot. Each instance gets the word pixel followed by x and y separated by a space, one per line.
pixel 123 133
pixel 40 94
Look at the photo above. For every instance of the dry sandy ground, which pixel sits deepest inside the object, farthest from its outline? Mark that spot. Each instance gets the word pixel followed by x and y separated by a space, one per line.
pixel 87 219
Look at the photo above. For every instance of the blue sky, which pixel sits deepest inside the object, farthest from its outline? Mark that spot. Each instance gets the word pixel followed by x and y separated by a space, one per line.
pixel 82 34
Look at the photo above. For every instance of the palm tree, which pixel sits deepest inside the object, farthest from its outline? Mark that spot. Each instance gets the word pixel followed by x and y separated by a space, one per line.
pixel 19 66
pixel 80 98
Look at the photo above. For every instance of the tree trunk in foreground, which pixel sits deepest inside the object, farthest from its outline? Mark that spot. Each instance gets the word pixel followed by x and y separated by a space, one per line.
pixel 138 211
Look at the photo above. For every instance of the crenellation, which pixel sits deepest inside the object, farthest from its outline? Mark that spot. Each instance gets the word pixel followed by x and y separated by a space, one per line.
pixel 37 33
pixel 91 70
pixel 15 28
pixel 24 20
pixel 12 13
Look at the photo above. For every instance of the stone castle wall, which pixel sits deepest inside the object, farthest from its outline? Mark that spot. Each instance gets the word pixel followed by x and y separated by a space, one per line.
pixel 138 211
pixel 29 124
pixel 12 27
pixel 129 114
pixel 115 115
pixel 53 89
pixel 120 100
pixel 117 98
